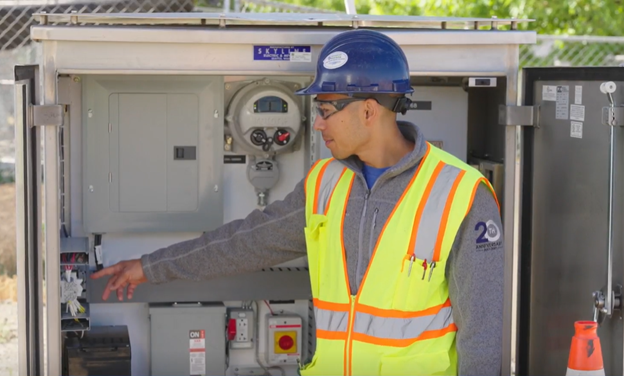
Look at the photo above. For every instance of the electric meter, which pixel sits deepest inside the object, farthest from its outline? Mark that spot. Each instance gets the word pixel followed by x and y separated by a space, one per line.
pixel 264 118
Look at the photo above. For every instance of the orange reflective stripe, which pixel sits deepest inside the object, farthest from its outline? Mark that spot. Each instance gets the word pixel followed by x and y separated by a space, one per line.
pixel 445 215
pixel 487 182
pixel 342 246
pixel 305 184
pixel 349 347
pixel 339 307
pixel 396 314
pixel 326 334
pixel 334 190
pixel 474 193
pixel 319 179
pixel 347 367
pixel 347 362
pixel 421 206
pixel 430 334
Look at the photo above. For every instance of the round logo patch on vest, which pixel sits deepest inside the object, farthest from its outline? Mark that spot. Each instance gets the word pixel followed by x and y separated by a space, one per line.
pixel 335 60
pixel 488 235
pixel 493 233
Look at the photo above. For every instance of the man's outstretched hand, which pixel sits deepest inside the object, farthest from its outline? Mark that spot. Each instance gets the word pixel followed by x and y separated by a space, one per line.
pixel 123 274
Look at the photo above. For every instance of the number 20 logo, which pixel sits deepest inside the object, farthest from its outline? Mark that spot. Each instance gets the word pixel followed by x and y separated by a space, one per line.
pixel 489 232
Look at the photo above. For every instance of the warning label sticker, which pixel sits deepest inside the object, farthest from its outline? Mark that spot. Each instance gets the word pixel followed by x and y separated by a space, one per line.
pixel 563 102
pixel 576 129
pixel 549 93
pixel 578 94
pixel 197 352
pixel 577 112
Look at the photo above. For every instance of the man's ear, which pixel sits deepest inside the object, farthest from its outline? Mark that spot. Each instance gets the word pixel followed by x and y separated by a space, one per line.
pixel 371 109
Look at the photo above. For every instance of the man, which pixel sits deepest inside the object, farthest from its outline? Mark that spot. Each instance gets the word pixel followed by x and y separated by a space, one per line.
pixel 404 242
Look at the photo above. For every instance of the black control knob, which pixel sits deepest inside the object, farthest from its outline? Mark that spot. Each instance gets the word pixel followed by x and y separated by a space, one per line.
pixel 258 137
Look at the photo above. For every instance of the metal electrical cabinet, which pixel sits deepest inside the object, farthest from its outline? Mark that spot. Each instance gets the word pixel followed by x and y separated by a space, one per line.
pixel 158 127
pixel 567 253
pixel 446 129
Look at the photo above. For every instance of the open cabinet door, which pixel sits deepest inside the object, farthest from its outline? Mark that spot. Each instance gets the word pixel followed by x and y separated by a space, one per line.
pixel 567 252
pixel 28 223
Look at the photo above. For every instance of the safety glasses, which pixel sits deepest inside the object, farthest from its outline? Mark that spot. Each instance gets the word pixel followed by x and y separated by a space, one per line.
pixel 325 109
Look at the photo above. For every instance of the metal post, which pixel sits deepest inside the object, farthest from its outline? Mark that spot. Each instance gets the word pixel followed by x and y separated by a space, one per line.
pixel 610 300
pixel 350 7
pixel 52 217
pixel 511 221
pixel 609 297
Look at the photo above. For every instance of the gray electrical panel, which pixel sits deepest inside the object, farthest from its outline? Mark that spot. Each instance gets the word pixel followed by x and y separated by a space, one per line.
pixel 153 147
pixel 442 114
pixel 187 340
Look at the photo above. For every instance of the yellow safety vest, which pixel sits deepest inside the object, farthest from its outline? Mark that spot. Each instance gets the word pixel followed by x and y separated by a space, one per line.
pixel 398 323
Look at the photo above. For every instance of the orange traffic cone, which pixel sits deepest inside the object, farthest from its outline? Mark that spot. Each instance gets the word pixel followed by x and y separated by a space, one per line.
pixel 585 352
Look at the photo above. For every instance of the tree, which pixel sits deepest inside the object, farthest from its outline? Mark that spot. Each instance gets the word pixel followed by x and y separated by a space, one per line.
pixel 567 17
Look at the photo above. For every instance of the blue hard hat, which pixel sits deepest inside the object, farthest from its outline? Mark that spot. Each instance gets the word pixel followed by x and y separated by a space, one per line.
pixel 360 62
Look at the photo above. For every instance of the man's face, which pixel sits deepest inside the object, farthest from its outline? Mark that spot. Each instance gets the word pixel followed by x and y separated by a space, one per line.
pixel 340 124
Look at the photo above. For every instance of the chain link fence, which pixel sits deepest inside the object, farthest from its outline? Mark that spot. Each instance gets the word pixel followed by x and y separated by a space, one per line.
pixel 573 51
pixel 16 16
pixel 15 47
pixel 267 6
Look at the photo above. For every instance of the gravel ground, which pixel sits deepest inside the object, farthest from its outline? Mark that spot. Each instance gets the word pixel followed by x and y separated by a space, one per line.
pixel 8 338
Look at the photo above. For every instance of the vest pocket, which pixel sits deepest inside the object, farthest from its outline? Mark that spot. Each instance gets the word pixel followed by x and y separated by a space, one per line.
pixel 315 227
pixel 415 289
pixel 437 363
pixel 316 241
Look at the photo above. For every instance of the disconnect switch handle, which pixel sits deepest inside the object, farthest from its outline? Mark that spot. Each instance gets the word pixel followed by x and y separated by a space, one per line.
pixel 231 330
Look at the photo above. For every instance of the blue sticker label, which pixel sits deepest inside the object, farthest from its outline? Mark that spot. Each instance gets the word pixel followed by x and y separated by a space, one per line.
pixel 283 53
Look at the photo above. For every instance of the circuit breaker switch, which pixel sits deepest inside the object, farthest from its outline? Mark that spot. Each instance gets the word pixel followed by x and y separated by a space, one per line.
pixel 284 339
pixel 231 331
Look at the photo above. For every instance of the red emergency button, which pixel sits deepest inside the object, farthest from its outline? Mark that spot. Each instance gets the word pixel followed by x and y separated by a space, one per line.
pixel 286 342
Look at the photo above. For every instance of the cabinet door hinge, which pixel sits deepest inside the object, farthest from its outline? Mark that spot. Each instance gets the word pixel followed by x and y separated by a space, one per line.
pixel 518 115
pixel 47 115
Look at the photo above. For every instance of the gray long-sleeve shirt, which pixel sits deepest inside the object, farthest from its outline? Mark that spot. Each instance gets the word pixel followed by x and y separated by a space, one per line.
pixel 275 235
